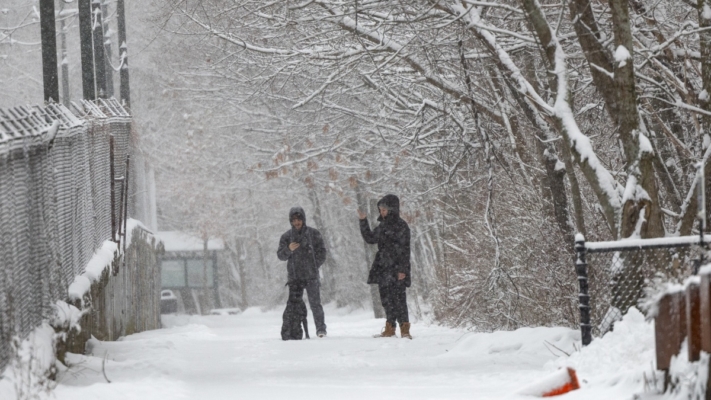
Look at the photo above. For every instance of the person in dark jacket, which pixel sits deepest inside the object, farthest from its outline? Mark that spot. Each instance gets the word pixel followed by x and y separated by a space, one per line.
pixel 391 267
pixel 304 252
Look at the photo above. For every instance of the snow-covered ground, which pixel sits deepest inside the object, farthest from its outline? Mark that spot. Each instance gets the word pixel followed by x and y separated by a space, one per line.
pixel 243 357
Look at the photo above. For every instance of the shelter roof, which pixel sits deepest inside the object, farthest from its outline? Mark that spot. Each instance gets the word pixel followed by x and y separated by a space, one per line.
pixel 183 241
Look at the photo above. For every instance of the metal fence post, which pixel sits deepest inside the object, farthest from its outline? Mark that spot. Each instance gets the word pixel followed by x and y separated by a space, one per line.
pixel 125 207
pixel 112 184
pixel 581 268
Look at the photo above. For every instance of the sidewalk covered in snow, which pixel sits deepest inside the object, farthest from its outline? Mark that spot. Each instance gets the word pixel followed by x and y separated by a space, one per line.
pixel 242 357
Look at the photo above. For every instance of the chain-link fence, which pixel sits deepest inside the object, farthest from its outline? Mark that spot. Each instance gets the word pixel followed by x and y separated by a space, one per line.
pixel 614 276
pixel 55 203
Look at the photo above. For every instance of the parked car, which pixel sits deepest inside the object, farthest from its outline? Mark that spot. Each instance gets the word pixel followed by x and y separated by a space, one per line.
pixel 168 302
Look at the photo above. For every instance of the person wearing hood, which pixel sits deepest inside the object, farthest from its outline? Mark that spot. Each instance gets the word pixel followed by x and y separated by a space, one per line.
pixel 303 250
pixel 391 267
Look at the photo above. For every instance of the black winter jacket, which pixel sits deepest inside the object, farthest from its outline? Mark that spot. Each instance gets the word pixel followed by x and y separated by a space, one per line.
pixel 304 262
pixel 393 239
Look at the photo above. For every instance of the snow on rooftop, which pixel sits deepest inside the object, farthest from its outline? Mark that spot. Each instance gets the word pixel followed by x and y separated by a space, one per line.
pixel 183 241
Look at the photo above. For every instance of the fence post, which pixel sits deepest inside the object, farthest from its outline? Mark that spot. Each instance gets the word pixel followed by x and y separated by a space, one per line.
pixel 693 319
pixel 669 330
pixel 705 300
pixel 112 184
pixel 125 206
pixel 581 268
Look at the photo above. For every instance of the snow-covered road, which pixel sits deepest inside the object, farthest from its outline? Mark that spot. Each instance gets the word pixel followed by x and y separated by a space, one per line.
pixel 243 357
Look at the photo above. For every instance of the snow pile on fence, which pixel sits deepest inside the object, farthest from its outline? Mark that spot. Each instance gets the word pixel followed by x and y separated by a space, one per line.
pixel 66 318
pixel 101 261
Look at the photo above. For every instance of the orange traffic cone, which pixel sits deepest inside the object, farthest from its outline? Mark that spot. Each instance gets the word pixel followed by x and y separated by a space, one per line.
pixel 569 386
pixel 560 382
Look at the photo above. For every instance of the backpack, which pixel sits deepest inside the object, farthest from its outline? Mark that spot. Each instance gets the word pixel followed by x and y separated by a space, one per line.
pixel 294 318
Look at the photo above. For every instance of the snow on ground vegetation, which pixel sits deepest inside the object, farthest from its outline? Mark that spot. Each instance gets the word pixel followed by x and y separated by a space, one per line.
pixel 242 357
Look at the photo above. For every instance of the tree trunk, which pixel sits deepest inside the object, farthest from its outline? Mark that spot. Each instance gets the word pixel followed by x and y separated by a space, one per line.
pixel 640 158
pixel 206 291
pixel 241 254
pixel 328 290
pixel 575 191
pixel 556 173
pixel 540 25
pixel 588 34
pixel 705 47
pixel 258 241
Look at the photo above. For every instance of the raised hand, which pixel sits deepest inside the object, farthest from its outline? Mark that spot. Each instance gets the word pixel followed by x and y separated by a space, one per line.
pixel 361 214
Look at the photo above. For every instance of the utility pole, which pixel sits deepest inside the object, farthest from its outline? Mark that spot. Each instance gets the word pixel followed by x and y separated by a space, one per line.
pixel 97 27
pixel 64 63
pixel 123 54
pixel 107 49
pixel 49 51
pixel 87 51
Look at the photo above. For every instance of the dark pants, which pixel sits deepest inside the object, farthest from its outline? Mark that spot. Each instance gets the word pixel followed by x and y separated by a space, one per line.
pixel 394 300
pixel 313 291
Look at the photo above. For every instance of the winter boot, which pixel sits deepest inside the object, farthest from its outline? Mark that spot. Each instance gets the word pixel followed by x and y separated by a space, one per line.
pixel 405 330
pixel 388 331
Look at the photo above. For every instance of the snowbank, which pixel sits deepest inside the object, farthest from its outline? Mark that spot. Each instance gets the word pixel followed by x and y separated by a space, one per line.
pixel 28 375
pixel 525 346
pixel 687 379
pixel 617 364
